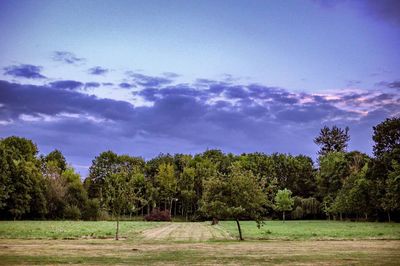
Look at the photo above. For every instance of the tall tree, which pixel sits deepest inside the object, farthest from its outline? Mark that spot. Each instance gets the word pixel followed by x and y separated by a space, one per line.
pixel 332 139
pixel 391 199
pixel 167 183
pixel 387 138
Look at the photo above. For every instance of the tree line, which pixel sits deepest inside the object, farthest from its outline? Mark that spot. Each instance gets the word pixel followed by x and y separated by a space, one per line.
pixel 341 184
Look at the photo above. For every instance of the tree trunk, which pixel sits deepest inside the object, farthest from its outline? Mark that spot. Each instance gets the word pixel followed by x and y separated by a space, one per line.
pixel 175 209
pixel 117 231
pixel 388 216
pixel 240 230
pixel 341 217
pixel 283 216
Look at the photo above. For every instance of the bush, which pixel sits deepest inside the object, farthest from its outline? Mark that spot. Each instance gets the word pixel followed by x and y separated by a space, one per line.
pixel 298 213
pixel 92 210
pixel 72 212
pixel 157 215
pixel 104 215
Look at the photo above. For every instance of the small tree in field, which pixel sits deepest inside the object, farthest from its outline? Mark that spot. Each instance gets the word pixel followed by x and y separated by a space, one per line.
pixel 119 195
pixel 284 201
pixel 236 196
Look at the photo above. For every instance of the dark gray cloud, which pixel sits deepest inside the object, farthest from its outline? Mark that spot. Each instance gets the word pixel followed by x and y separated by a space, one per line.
pixel 67 57
pixel 66 84
pixel 97 70
pixel 187 118
pixel 24 71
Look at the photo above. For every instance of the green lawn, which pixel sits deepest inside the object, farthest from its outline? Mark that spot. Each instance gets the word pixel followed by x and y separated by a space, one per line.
pixel 303 230
pixel 292 242
pixel 70 229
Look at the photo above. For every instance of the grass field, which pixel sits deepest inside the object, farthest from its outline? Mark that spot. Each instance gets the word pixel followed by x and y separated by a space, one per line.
pixel 315 230
pixel 147 243
pixel 70 229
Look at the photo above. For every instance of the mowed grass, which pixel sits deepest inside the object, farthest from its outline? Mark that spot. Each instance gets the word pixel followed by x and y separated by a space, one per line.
pixel 292 242
pixel 71 229
pixel 103 252
pixel 314 230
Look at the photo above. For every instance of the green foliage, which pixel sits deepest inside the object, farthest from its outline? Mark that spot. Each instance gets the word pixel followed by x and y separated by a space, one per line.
pixel 349 184
pixel 72 212
pixel 387 138
pixel 237 196
pixel 333 169
pixel 92 210
pixel 332 139
pixel 284 201
pixel 391 199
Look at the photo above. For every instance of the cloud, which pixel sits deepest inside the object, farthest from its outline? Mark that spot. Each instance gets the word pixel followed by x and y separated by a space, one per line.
pixel 170 75
pixel 392 85
pixel 385 10
pixel 125 85
pixel 92 85
pixel 67 57
pixel 24 71
pixel 66 84
pixel 98 70
pixel 388 10
pixel 148 81
pixel 188 118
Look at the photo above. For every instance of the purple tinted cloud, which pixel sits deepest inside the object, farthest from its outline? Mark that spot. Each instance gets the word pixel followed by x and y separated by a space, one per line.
pixel 125 85
pixel 66 84
pixel 98 70
pixel 24 71
pixel 148 81
pixel 187 118
pixel 67 57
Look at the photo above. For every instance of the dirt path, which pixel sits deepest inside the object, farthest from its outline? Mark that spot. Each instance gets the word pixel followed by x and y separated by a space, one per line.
pixel 186 231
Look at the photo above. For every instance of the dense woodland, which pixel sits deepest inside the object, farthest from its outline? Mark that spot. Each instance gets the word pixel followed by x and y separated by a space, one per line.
pixel 341 184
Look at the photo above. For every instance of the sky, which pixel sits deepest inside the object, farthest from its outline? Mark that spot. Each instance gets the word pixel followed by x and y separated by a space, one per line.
pixel 150 77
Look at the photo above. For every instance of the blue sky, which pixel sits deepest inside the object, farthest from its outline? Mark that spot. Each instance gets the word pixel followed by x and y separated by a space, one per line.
pixel 144 77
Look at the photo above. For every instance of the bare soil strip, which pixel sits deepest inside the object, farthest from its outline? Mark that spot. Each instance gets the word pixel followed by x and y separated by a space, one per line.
pixel 186 231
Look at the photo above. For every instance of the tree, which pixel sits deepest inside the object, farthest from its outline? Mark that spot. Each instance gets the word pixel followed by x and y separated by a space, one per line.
pixel 167 183
pixel 103 165
pixel 390 201
pixel 332 173
pixel 332 139
pixel 284 201
pixel 58 157
pixel 387 138
pixel 119 195
pixel 236 196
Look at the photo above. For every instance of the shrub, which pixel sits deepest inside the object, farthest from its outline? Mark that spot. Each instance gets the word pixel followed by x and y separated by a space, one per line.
pixel 157 215
pixel 92 210
pixel 297 213
pixel 72 212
